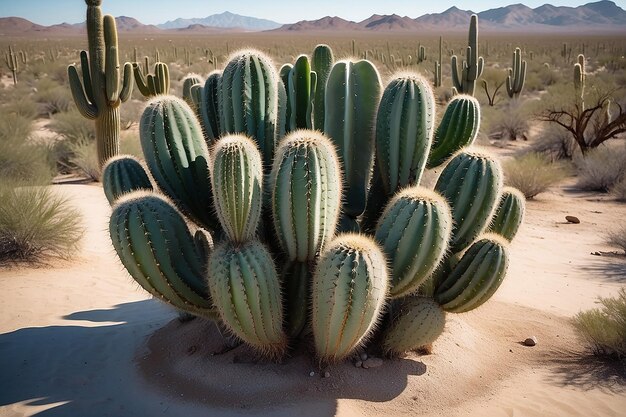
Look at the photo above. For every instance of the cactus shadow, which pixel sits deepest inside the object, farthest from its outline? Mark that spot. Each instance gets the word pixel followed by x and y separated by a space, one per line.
pixel 609 268
pixel 79 368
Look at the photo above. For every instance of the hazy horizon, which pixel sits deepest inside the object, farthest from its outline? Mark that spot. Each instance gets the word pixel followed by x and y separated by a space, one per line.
pixel 46 12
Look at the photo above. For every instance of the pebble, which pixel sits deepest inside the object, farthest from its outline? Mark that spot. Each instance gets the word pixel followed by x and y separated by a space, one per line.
pixel 372 363
pixel 358 364
pixel 531 341
pixel 326 374
pixel 363 356
pixel 311 373
pixel 572 219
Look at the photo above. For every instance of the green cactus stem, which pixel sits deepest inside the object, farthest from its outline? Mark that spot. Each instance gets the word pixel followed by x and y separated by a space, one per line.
pixel 300 88
pixel 208 108
pixel 189 81
pixel 420 321
pixel 352 94
pixel 476 277
pixel 517 75
pixel 306 194
pixel 100 93
pixel 237 183
pixel 12 63
pixel 123 174
pixel 404 131
pixel 178 158
pixel 471 182
pixel 246 291
pixel 414 231
pixel 348 292
pixel 509 214
pixel 321 63
pixel 154 244
pixel 464 80
pixel 458 128
pixel 150 85
pixel 248 101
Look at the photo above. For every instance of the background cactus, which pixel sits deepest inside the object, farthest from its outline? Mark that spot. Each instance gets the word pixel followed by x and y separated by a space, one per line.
pixel 123 174
pixel 321 63
pixel 517 75
pixel 188 82
pixel 152 84
pixel 100 93
pixel 300 88
pixel 464 80
pixel 12 63
pixel 208 108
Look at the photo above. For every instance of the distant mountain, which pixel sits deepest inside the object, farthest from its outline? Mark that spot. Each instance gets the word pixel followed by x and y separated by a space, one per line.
pixel 223 20
pixel 327 23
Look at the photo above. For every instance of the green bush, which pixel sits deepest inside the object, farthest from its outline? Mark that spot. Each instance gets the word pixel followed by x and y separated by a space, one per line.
pixel 35 222
pixel 533 173
pixel 604 328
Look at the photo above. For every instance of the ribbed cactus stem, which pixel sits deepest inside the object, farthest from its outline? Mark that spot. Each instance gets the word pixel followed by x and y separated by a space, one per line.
pixel 300 88
pixel 321 63
pixel 12 64
pixel 509 214
pixel 464 79
pixel 237 183
pixel 579 81
pixel 208 108
pixel 152 84
pixel 189 81
pixel 123 174
pixel 404 131
pixel 517 75
pixel 348 293
pixel 352 94
pixel 245 289
pixel 414 231
pixel 101 91
pixel 306 194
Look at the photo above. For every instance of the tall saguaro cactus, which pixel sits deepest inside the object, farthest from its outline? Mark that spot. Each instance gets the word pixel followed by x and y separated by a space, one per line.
pixel 472 67
pixel 517 75
pixel 100 93
pixel 12 64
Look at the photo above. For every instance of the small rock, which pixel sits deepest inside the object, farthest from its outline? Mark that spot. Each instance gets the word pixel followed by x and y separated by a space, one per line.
pixel 531 341
pixel 511 350
pixel 311 373
pixel 372 363
pixel 326 374
pixel 363 356
pixel 358 364
pixel 572 219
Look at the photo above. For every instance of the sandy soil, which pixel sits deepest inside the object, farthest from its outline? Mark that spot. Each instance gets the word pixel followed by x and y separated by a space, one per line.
pixel 79 338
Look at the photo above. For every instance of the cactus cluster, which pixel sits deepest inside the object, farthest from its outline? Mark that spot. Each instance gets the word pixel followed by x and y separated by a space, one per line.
pixel 317 233
pixel 464 80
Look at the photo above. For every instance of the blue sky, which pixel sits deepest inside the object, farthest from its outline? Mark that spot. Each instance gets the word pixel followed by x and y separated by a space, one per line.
pixel 47 12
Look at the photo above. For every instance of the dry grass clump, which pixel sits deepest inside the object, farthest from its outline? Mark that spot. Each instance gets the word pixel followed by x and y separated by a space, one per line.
pixel 533 173
pixel 602 168
pixel 604 328
pixel 555 143
pixel 617 237
pixel 619 190
pixel 35 222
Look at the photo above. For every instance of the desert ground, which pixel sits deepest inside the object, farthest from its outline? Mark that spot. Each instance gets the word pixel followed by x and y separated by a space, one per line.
pixel 78 337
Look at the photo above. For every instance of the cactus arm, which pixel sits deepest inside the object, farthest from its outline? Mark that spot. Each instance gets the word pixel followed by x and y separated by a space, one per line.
pixel 311 104
pixel 141 80
pixel 84 66
pixel 112 80
pixel 86 108
pixel 127 82
pixel 456 80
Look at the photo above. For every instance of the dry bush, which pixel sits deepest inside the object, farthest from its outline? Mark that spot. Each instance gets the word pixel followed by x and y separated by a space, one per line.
pixel 73 127
pixel 619 190
pixel 510 121
pixel 602 168
pixel 53 97
pixel 25 108
pixel 617 237
pixel 533 173
pixel 555 143
pixel 35 222
pixel 84 159
pixel 604 328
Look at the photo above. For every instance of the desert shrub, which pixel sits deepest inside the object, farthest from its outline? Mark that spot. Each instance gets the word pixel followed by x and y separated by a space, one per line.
pixel 511 121
pixel 55 100
pixel 555 143
pixel 25 108
pixel 604 328
pixel 73 127
pixel 533 173
pixel 15 127
pixel 602 168
pixel 36 222
pixel 84 159
pixel 617 237
pixel 619 190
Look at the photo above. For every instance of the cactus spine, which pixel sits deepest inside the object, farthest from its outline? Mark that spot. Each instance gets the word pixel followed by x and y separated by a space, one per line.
pixel 348 291
pixel 123 174
pixel 237 183
pixel 404 130
pixel 464 80
pixel 306 194
pixel 321 63
pixel 471 182
pixel 509 214
pixel 517 75
pixel 414 231
pixel 255 115
pixel 352 94
pixel 458 128
pixel 245 289
pixel 177 156
pixel 99 95
pixel 12 64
